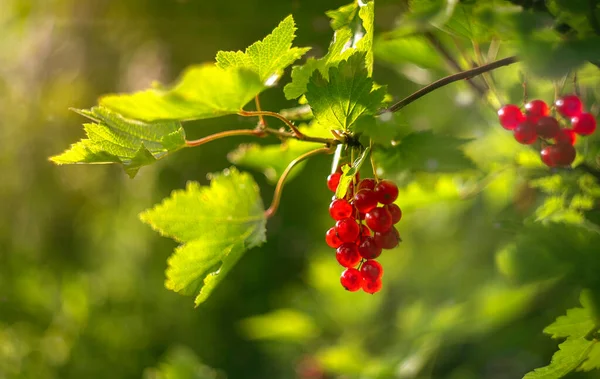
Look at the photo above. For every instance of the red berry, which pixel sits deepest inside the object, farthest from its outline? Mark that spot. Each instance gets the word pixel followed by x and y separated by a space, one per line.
pixel 365 200
pixel 339 209
pixel 547 127
pixel 378 219
pixel 569 106
pixel 536 109
pixel 566 136
pixel 547 156
pixel 387 240
pixel 510 116
pixel 368 249
pixel 364 231
pixel 395 211
pixel 351 279
pixel 525 133
pixel 333 180
pixel 371 270
pixel 558 155
pixel 583 124
pixel 367 183
pixel 332 239
pixel 386 192
pixel 347 230
pixel 347 254
pixel 371 286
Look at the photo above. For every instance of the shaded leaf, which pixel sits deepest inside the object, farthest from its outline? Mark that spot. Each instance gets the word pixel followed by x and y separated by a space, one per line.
pixel 280 325
pixel 570 355
pixel 115 139
pixel 577 323
pixel 216 224
pixel 268 57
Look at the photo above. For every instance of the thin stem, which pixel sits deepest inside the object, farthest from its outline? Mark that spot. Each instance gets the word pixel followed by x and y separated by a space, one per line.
pixel 524 83
pixel 373 164
pixel 575 84
pixel 228 133
pixel 293 127
pixel 278 189
pixel 487 77
pixel 447 80
pixel 261 119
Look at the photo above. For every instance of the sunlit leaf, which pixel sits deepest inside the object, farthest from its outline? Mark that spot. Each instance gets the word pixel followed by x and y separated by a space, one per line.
pixel 349 172
pixel 570 355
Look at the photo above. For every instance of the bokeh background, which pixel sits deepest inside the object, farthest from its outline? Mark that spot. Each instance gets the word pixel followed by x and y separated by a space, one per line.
pixel 81 278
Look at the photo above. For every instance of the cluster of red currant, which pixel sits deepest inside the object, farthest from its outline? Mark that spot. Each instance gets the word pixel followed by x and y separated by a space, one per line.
pixel 363 229
pixel 538 123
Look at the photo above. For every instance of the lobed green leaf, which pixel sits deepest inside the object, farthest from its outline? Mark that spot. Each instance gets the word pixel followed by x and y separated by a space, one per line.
pixel 570 355
pixel 216 224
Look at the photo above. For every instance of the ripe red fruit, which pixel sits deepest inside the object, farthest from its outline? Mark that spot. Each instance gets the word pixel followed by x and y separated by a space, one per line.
pixel 347 254
pixel 371 270
pixel 547 156
pixel 510 116
pixel 364 231
pixel 547 127
pixel 332 239
pixel 365 200
pixel 333 180
pixel 386 192
pixel 371 286
pixel 347 230
pixel 351 279
pixel 339 209
pixel 368 249
pixel 536 109
pixel 387 240
pixel 558 155
pixel 367 183
pixel 525 133
pixel 569 106
pixel 583 124
pixel 395 211
pixel 378 219
pixel 566 136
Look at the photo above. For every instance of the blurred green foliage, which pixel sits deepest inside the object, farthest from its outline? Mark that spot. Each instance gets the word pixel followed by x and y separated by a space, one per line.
pixel 495 246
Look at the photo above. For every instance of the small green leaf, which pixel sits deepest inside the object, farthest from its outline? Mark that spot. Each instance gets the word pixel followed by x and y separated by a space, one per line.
pixel 413 49
pixel 280 325
pixel 348 94
pixel 204 91
pixel 570 355
pixel 272 160
pixel 380 131
pixel 349 172
pixel 577 323
pixel 593 360
pixel 425 151
pixel 268 57
pixel 115 139
pixel 215 224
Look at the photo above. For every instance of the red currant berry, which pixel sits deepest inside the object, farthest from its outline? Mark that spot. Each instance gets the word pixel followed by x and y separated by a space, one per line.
pixel 371 286
pixel 364 231
pixel 371 270
pixel 547 127
pixel 333 180
pixel 525 133
pixel 332 239
pixel 347 255
pixel 386 192
pixel 367 183
pixel 387 240
pixel 339 209
pixel 547 156
pixel 565 136
pixel 347 230
pixel 368 249
pixel 395 211
pixel 510 116
pixel 563 154
pixel 536 109
pixel 351 279
pixel 365 200
pixel 379 220
pixel 569 106
pixel 583 124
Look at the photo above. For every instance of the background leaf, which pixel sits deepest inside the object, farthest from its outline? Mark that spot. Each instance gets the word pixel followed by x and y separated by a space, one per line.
pixel 570 355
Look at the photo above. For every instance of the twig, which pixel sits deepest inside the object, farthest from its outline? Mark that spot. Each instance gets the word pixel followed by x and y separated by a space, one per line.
pixel 293 127
pixel 278 189
pixel 261 119
pixel 447 80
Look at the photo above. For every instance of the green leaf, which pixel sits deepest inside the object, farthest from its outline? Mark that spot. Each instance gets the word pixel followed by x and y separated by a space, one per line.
pixel 379 130
pixel 425 151
pixel 348 94
pixel 408 49
pixel 349 172
pixel 181 363
pixel 204 91
pixel 272 160
pixel 115 139
pixel 268 57
pixel 280 325
pixel 577 323
pixel 215 224
pixel 570 355
pixel 352 35
pixel 593 359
